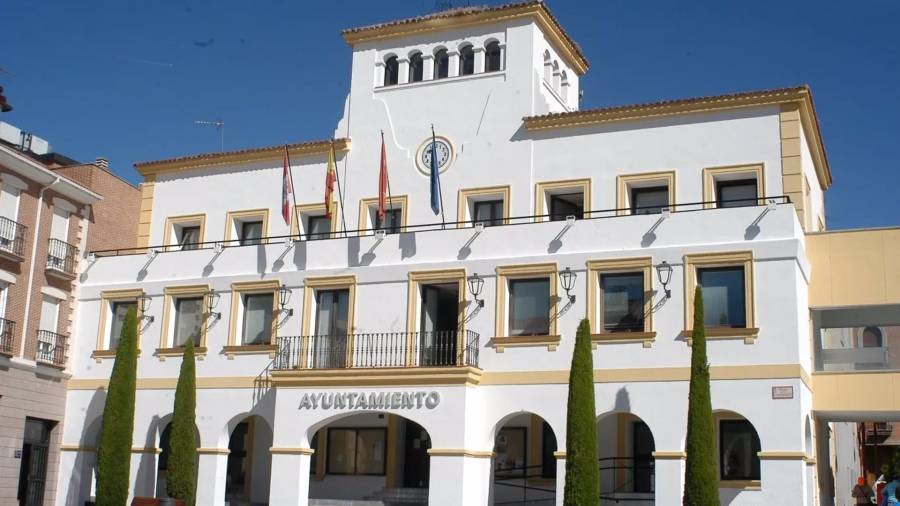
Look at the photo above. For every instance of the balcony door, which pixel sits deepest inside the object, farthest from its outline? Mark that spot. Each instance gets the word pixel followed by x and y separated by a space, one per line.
pixel 438 324
pixel 329 342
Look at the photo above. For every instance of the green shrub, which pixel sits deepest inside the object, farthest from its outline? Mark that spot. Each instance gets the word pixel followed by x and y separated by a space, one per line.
pixel 582 466
pixel 181 482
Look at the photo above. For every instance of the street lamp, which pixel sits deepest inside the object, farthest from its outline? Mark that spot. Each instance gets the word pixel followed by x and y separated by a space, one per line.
pixel 476 283
pixel 212 300
pixel 664 273
pixel 567 277
pixel 284 296
pixel 143 304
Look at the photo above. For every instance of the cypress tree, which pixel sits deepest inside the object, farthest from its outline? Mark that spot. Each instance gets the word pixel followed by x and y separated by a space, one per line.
pixel 182 473
pixel 582 466
pixel 117 427
pixel 701 481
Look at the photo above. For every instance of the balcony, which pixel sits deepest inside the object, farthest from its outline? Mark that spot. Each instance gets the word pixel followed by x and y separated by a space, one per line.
pixel 51 348
pixel 7 333
pixel 61 259
pixel 12 239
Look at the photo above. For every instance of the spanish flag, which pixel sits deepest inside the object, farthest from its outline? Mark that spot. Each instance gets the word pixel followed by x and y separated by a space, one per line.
pixel 330 177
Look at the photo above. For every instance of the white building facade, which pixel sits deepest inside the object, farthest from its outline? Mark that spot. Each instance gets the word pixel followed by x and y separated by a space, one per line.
pixel 426 356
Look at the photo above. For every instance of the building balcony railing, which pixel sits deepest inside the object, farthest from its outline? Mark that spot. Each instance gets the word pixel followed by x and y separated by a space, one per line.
pixel 7 333
pixel 61 258
pixel 378 350
pixel 12 239
pixel 51 348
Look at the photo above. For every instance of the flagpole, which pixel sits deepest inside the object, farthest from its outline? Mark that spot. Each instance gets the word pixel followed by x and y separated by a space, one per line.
pixel 390 198
pixel 287 155
pixel 337 179
pixel 434 165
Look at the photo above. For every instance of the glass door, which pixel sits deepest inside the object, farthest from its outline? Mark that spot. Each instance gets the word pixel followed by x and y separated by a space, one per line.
pixel 329 342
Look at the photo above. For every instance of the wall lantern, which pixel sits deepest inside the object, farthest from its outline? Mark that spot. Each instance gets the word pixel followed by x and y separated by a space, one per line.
pixel 284 296
pixel 567 277
pixel 144 304
pixel 476 283
pixel 664 273
pixel 212 300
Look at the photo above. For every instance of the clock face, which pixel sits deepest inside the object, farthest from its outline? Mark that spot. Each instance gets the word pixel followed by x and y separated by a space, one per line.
pixel 442 148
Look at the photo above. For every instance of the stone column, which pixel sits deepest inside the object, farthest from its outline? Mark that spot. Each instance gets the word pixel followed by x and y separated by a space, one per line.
pixel 479 59
pixel 782 476
pixel 212 467
pixel 669 473
pixel 379 73
pixel 459 477
pixel 289 482
pixel 560 476
pixel 403 70
pixel 453 62
pixel 427 67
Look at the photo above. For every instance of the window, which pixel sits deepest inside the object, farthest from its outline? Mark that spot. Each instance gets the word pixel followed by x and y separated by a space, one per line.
pixel 466 61
pixel 188 237
pixel 872 338
pixel 723 296
pixel 622 302
pixel 416 68
pixel 318 227
pixel 738 450
pixel 246 227
pixel 251 232
pixel 394 219
pixel 329 342
pixel 391 222
pixel 188 320
pixel 257 318
pixel 560 199
pixel 441 64
pixel 119 310
pixel 650 200
pixel 564 205
pixel 357 451
pixel 489 212
pixel 529 307
pixel 736 193
pixel 548 448
pixel 492 57
pixel 185 232
pixel 391 71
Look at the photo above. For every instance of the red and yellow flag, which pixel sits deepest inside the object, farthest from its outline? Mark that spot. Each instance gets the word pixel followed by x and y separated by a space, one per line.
pixel 383 183
pixel 330 177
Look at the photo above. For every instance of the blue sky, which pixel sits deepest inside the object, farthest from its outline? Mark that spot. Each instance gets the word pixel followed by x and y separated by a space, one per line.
pixel 126 79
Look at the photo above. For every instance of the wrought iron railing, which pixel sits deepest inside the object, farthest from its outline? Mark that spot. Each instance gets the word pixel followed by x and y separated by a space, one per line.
pixel 51 348
pixel 447 225
pixel 12 237
pixel 61 256
pixel 7 333
pixel 376 350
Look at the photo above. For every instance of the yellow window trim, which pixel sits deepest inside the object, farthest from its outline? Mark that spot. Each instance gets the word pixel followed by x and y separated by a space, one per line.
pixel 171 293
pixel 107 297
pixel 244 288
pixel 595 269
pixel 186 219
pixel 310 285
pixel 541 191
pixel 623 182
pixel 710 174
pixel 393 202
pixel 724 259
pixel 314 210
pixel 510 272
pixel 463 196
pixel 417 278
pixel 233 217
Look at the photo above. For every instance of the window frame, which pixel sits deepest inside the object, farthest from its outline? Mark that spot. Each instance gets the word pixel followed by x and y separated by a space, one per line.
pixel 302 213
pixel 597 268
pixel 414 302
pixel 369 206
pixel 235 219
pixel 186 220
pixel 487 56
pixel 104 326
pixel 466 198
pixel 355 430
pixel 167 331
pixel 310 286
pixel 721 259
pixel 625 183
pixel 411 67
pixel 712 175
pixel 435 70
pixel 386 63
pixel 635 191
pixel 544 191
pixel 235 345
pixel 504 274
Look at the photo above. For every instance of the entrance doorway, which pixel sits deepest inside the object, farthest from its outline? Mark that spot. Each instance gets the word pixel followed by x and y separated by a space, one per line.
pixel 439 324
pixel 33 466
pixel 625 449
pixel 416 468
pixel 524 464
pixel 249 462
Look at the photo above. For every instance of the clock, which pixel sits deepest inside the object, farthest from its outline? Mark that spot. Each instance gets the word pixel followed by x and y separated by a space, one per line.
pixel 442 148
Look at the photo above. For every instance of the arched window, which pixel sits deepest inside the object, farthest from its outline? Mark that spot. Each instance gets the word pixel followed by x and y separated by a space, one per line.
pixel 415 68
pixel 872 338
pixel 556 76
pixel 466 61
pixel 548 69
pixel 441 64
pixel 391 71
pixel 564 86
pixel 492 56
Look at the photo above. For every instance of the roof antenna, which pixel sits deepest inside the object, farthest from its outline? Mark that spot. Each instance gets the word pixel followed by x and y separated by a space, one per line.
pixel 220 126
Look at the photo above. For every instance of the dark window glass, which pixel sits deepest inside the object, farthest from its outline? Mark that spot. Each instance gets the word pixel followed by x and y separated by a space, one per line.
pixel 119 310
pixel 492 57
pixel 188 320
pixel 738 448
pixel 737 193
pixel 318 227
pixel 466 61
pixel 441 64
pixel 391 71
pixel 314 458
pixel 529 307
pixel 489 212
pixel 330 340
pixel 649 200
pixel 723 296
pixel 251 232
pixel 642 451
pixel 391 222
pixel 189 238
pixel 415 68
pixel 548 447
pixel 570 204
pixel 356 451
pixel 239 448
pixel 622 302
pixel 258 318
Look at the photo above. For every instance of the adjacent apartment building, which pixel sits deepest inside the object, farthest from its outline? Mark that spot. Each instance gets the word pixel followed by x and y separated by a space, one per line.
pixel 51 209
pixel 415 346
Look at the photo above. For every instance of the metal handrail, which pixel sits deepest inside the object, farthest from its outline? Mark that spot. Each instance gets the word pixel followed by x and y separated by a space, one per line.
pixel 51 348
pixel 7 334
pixel 12 236
pixel 377 350
pixel 430 227
pixel 61 256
